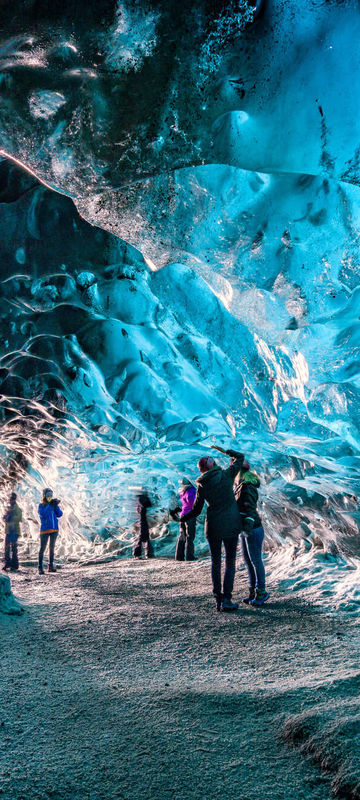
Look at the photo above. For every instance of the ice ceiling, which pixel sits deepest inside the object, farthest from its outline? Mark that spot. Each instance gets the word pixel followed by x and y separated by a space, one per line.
pixel 180 259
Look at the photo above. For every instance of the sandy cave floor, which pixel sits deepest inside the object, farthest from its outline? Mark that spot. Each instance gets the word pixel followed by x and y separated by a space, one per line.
pixel 121 681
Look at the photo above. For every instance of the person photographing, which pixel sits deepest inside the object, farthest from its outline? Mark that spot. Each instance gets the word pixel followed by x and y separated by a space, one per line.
pixel 49 512
pixel 185 543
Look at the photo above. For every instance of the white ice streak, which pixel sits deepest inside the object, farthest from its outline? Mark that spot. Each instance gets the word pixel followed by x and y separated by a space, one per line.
pixel 132 38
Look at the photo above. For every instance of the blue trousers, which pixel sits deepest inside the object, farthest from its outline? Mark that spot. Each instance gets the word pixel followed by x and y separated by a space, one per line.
pixel 252 547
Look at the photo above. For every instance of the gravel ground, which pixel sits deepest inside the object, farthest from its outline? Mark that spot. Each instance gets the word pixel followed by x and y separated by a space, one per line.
pixel 121 681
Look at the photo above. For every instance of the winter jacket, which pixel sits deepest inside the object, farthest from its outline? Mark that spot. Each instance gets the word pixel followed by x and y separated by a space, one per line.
pixel 215 487
pixel 143 503
pixel 49 517
pixel 187 497
pixel 246 493
pixel 12 519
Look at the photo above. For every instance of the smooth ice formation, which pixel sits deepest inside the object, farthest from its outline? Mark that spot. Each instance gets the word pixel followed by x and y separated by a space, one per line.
pixel 206 285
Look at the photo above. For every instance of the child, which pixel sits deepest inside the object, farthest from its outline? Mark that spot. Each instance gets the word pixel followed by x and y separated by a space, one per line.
pixel 12 519
pixel 49 513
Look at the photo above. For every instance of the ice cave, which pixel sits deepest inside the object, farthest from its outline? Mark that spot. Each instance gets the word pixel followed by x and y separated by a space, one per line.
pixel 180 269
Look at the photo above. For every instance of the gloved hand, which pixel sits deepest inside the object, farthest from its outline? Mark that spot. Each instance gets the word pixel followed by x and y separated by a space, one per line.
pixel 174 511
pixel 54 502
pixel 235 454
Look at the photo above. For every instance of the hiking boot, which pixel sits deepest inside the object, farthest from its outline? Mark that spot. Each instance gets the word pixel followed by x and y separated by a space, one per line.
pixel 250 597
pixel 228 605
pixel 5 568
pixel 41 571
pixel 218 599
pixel 51 568
pixel 261 596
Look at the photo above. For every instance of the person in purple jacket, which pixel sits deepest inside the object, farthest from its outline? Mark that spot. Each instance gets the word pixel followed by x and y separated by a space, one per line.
pixel 185 542
pixel 49 512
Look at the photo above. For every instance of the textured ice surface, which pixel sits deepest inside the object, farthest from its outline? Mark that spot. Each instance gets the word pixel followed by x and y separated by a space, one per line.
pixel 8 604
pixel 116 377
pixel 226 305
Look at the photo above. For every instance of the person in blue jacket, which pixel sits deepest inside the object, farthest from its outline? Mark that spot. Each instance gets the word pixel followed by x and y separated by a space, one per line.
pixel 49 513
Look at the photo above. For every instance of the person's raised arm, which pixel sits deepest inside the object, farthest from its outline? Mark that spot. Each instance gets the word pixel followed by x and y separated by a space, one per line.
pixel 237 463
pixel 56 508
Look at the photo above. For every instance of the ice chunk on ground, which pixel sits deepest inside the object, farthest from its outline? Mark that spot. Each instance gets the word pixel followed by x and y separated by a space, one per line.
pixel 8 603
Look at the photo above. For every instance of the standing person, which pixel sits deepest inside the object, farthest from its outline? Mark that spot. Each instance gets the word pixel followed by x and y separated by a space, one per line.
pixel 12 517
pixel 222 523
pixel 49 513
pixel 143 537
pixel 252 533
pixel 185 544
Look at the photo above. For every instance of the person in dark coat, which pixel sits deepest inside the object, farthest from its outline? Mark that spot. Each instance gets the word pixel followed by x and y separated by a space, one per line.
pixel 222 523
pixel 185 544
pixel 143 537
pixel 252 533
pixel 12 517
pixel 49 512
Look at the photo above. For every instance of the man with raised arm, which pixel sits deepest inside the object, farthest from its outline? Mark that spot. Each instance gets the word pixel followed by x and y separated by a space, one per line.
pixel 222 524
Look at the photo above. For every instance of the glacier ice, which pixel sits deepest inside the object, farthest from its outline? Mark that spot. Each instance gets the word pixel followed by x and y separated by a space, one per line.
pixel 182 268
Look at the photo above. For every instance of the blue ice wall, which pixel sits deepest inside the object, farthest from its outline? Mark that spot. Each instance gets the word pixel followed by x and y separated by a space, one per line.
pixel 208 290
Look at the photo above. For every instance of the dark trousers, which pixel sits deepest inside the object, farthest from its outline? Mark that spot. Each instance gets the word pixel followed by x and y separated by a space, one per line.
pixel 252 547
pixel 143 538
pixel 11 555
pixel 230 546
pixel 185 543
pixel 44 538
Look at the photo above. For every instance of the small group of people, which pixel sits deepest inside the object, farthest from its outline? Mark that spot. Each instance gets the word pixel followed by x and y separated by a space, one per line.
pixel 231 496
pixel 49 513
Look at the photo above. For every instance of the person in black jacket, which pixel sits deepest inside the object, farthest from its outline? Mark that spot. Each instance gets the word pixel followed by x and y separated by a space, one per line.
pixel 222 524
pixel 252 533
pixel 143 503
pixel 13 517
